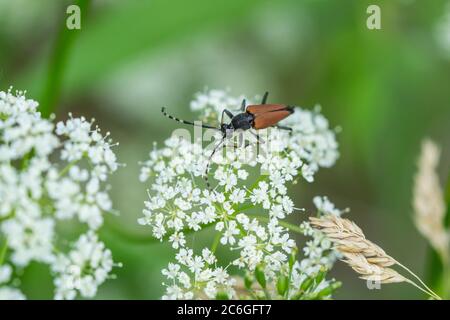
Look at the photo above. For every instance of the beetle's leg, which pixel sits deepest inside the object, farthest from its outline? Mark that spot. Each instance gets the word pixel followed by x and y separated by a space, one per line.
pixel 264 99
pixel 209 161
pixel 243 104
pixel 229 114
pixel 237 146
pixel 241 141
pixel 258 138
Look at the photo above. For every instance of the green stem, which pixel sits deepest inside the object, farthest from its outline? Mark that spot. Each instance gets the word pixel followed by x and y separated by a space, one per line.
pixel 26 160
pixel 117 230
pixel 445 257
pixel 446 282
pixel 111 227
pixel 67 168
pixel 7 216
pixel 255 184
pixel 58 62
pixel 3 252
pixel 244 208
pixel 287 225
pixel 447 201
pixel 291 267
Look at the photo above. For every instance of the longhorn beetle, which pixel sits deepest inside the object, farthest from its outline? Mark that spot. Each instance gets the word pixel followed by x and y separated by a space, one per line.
pixel 257 116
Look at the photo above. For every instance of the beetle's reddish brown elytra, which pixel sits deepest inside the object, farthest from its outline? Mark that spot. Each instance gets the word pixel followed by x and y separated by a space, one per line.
pixel 256 116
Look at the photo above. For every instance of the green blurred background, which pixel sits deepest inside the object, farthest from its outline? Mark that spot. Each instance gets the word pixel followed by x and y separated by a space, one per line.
pixel 386 88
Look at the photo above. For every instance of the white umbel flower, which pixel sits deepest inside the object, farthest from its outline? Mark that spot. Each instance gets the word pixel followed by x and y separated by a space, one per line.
pixel 83 269
pixel 244 177
pixel 50 174
pixel 30 238
pixel 8 293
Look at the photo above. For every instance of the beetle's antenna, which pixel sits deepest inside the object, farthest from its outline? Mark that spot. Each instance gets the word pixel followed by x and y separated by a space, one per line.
pixel 264 99
pixel 209 161
pixel 243 105
pixel 163 110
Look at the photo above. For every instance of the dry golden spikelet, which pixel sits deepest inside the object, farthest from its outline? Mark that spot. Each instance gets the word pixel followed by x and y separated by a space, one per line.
pixel 370 271
pixel 428 202
pixel 362 255
pixel 348 237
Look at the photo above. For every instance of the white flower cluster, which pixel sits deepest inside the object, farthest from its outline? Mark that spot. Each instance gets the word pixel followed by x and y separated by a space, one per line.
pixel 84 268
pixel 49 175
pixel 248 202
pixel 196 273
pixel 212 102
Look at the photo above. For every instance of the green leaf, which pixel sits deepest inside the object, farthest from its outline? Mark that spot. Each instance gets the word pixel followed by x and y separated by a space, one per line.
pixel 292 258
pixel 222 296
pixel 435 271
pixel 248 281
pixel 260 277
pixel 58 63
pixel 282 285
pixel 447 201
pixel 117 35
pixel 328 290
pixel 320 276
pixel 306 284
